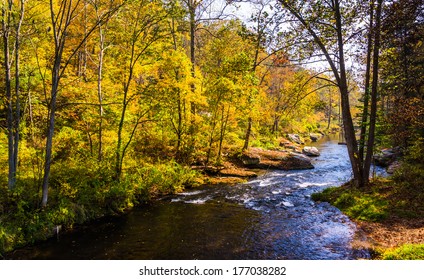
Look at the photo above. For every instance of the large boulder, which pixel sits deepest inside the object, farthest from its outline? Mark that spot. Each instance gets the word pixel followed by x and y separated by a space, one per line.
pixel 310 151
pixel 266 159
pixel 296 139
pixel 295 161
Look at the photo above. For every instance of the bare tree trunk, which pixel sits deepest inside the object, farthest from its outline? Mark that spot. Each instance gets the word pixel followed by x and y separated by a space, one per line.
pixel 373 113
pixel 100 92
pixel 224 122
pixel 6 10
pixel 349 130
pixel 330 104
pixel 12 100
pixel 17 86
pixel 248 132
pixel 50 131
pixel 367 87
pixel 192 13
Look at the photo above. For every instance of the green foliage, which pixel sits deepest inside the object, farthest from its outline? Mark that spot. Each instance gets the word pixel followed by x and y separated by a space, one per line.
pixel 405 252
pixel 165 178
pixel 356 204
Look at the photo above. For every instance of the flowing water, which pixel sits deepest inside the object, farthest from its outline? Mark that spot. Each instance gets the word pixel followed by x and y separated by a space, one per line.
pixel 271 217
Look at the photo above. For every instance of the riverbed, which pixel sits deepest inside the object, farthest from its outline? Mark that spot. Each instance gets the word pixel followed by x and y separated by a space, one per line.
pixel 270 217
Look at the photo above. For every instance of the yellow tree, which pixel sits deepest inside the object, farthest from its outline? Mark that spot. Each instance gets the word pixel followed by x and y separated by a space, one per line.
pixel 174 86
pixel 63 15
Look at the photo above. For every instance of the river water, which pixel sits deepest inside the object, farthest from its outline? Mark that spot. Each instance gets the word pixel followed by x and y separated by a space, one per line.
pixel 271 217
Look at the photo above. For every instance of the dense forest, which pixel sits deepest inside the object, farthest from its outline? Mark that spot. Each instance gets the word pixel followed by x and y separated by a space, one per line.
pixel 108 103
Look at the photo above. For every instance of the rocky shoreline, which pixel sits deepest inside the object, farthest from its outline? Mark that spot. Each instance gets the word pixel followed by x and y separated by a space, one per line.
pixel 292 155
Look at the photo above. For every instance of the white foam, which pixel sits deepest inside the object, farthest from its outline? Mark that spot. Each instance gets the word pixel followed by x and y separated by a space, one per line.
pixel 265 183
pixel 310 184
pixel 287 204
pixel 190 193
pixel 197 201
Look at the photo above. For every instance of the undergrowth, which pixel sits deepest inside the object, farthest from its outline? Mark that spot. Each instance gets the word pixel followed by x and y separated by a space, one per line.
pixel 80 193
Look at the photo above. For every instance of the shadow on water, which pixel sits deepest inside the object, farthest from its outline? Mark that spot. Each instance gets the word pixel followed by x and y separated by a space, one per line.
pixel 272 217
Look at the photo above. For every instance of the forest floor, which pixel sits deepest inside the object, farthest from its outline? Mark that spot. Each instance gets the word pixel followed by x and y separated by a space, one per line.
pixel 394 231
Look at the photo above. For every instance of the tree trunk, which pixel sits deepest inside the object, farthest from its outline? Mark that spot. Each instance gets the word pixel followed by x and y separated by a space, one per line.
pixel 349 130
pixel 9 98
pixel 248 131
pixel 13 110
pixel 330 104
pixel 373 113
pixel 50 132
pixel 224 122
pixel 192 12
pixel 367 87
pixel 100 92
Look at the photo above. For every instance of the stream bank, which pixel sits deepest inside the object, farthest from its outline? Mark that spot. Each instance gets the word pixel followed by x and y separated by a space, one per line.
pixel 269 217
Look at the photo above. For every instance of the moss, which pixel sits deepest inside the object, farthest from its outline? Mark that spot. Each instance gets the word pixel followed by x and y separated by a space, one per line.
pixel 355 204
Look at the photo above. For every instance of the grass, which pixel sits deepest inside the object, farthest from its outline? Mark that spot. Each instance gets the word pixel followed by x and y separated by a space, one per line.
pixel 369 206
pixel 397 200
pixel 405 252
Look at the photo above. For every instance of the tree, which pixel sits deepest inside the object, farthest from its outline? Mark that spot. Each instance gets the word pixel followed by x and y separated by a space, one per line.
pixel 12 19
pixel 324 26
pixel 144 26
pixel 402 73
pixel 373 109
pixel 62 17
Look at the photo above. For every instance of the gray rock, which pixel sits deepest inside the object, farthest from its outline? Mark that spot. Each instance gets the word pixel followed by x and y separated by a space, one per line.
pixel 296 161
pixel 296 139
pixel 310 151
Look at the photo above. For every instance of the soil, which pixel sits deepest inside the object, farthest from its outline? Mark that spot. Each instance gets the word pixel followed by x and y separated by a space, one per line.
pixel 393 232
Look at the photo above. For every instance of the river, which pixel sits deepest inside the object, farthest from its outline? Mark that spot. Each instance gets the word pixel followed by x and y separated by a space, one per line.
pixel 270 217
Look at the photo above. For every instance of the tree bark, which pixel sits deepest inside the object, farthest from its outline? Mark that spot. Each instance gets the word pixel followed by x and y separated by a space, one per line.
pixel 6 10
pixel 248 132
pixel 367 87
pixel 373 113
pixel 349 130
pixel 100 92
pixel 13 110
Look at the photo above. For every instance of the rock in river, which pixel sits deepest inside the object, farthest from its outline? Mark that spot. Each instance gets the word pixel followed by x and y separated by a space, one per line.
pixel 310 151
pixel 296 161
pixel 259 158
